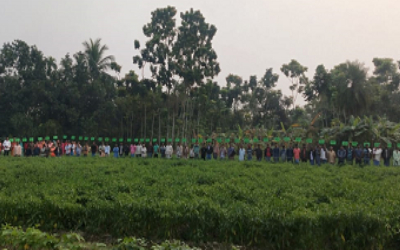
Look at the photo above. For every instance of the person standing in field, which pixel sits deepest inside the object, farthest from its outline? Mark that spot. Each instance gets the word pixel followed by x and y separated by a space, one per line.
pixel 58 150
pixel 155 150
pixel 150 150
pixel 132 149
pixel 249 152
pixel 116 151
pixel 102 150
pixel 85 150
pixel 17 150
pixel 144 151
pixel 275 153
pixel 258 152
pixel 191 153
pixel 289 154
pixel 268 153
pixel 68 148
pixel 303 154
pixel 29 149
pixel 216 151
pixel 396 157
pixel 358 152
pixel 282 153
pixel 178 151
pixel 185 151
pixel 107 150
pixel 7 146
pixel 94 149
pixel 311 154
pixel 203 152
pixel 242 153
pixel 78 149
pixel 367 155
pixel 138 150
pixel 169 151
pixel 162 150
pixel 296 154
pixel 331 156
pixel 350 155
pixel 196 150
pixel 222 152
pixel 386 155
pixel 377 152
pixel 341 156
pixel 231 152
pixel 209 151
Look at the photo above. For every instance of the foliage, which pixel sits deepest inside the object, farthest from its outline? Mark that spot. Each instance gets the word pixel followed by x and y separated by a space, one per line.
pixel 250 203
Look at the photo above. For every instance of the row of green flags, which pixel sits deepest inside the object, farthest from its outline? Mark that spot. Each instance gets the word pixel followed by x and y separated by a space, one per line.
pixel 194 140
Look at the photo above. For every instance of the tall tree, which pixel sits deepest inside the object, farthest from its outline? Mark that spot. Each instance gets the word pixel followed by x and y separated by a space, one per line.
pixel 96 59
pixel 295 72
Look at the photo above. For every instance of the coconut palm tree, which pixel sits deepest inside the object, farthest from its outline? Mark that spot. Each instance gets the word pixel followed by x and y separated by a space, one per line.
pixel 95 57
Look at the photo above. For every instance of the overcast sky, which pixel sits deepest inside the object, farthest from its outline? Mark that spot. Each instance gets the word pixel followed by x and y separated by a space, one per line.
pixel 252 34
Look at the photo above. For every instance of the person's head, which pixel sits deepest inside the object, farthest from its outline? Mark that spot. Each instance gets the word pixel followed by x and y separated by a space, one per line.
pixel 259 146
pixel 116 145
pixel 341 147
pixel 7 138
pixel 331 148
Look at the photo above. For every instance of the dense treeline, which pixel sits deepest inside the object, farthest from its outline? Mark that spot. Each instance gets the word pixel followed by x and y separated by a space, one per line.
pixel 84 93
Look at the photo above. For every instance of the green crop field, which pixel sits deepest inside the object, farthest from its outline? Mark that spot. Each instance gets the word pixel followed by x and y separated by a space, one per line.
pixel 268 206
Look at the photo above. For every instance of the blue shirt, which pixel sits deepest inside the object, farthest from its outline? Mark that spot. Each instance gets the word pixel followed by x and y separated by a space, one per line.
pixel 116 151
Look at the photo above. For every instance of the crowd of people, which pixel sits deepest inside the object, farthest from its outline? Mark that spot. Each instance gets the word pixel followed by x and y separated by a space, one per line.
pixel 309 154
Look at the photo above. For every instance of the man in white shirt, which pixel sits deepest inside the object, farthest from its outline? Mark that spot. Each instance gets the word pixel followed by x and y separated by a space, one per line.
pixel 7 146
pixel 168 151
pixel 107 149
pixel 377 152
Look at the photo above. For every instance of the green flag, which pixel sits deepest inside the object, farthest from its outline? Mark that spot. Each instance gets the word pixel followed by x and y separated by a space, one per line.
pixel 100 138
pixel 398 145
pixel 209 140
pixel 237 140
pixel 298 139
pixel 389 145
pixel 114 139
pixel 309 140
pixel 265 139
pixel 141 139
pixel 40 138
pixel 162 139
pixel 129 140
pixel 65 137
pixel 286 139
pixel 333 142
pixel 255 140
pixel 86 138
pixel 354 144
pixel 107 139
pixel 377 144
pixel 169 139
pixel 73 137
pixel 137 140
pixel 47 138
pixel 227 140
pixel 367 144
pixel 200 140
pixel 147 139
pixel 154 139
pixel 193 140
pixel 183 139
pixel 17 139
pixel 345 143
pixel 80 138
pixel 121 139
pixel 24 139
pixel 11 140
pixel 92 138
pixel 277 139
pixel 31 139
pixel 177 140
pixel 246 140
pixel 321 141
pixel 55 137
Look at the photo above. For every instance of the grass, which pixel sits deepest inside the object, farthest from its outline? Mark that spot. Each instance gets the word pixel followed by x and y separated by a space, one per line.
pixel 276 206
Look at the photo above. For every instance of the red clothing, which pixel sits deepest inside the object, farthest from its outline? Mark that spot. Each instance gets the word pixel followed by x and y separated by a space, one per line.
pixel 296 153
pixel 268 152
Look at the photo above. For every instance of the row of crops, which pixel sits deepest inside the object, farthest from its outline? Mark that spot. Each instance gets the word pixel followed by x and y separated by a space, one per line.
pixel 248 204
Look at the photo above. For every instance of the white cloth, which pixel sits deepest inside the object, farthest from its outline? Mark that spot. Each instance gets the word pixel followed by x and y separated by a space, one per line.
pixel 323 154
pixel 7 145
pixel 377 154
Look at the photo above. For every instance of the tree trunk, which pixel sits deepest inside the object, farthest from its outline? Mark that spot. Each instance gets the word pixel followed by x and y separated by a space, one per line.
pixel 145 120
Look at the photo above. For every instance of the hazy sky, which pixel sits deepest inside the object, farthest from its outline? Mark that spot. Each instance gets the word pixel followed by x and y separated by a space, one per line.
pixel 252 34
